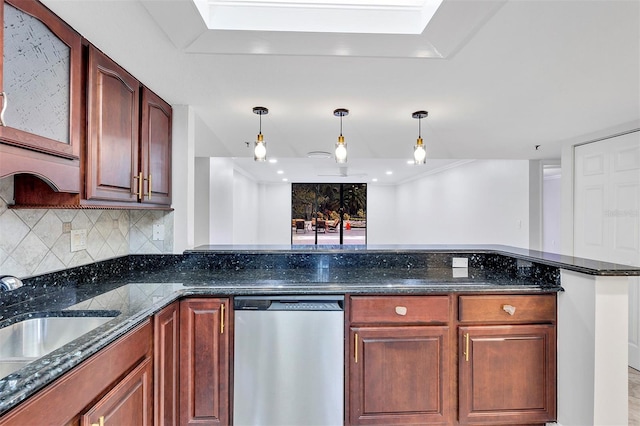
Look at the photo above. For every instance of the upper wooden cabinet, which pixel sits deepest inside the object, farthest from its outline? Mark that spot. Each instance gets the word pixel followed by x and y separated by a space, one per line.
pixel 128 139
pixel 41 89
pixel 155 149
pixel 126 162
pixel 112 137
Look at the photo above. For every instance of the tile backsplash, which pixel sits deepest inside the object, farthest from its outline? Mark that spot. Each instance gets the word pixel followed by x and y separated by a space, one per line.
pixel 37 241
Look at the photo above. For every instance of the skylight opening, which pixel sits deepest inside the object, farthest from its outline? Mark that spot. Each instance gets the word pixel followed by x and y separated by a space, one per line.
pixel 322 16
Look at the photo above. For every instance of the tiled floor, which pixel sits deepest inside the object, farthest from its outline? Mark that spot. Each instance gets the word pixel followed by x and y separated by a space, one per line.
pixel 634 397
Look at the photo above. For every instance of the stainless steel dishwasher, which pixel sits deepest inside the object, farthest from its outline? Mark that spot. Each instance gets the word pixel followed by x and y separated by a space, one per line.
pixel 288 367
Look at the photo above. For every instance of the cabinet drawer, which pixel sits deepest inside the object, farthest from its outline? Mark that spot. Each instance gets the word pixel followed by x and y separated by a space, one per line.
pixel 400 310
pixel 508 308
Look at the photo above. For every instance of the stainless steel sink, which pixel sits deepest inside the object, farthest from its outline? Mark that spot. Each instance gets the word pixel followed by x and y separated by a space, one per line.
pixel 28 340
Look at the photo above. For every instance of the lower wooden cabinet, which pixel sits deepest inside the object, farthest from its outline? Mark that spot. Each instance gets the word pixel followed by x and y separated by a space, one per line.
pixel 399 375
pixel 118 378
pixel 128 403
pixel 507 374
pixel 402 354
pixel 399 360
pixel 507 359
pixel 166 365
pixel 204 362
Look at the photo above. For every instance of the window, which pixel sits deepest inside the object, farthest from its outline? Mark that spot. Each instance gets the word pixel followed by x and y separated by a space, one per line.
pixel 329 213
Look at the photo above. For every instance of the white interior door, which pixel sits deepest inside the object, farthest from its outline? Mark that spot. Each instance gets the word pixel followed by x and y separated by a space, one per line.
pixel 607 213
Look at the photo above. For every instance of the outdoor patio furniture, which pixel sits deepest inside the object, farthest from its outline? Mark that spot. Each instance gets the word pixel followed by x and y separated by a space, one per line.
pixel 333 226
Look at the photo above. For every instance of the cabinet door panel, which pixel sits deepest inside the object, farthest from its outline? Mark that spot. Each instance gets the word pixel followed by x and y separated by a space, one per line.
pixel 112 143
pixel 129 403
pixel 401 375
pixel 41 75
pixel 204 362
pixel 509 376
pixel 166 365
pixel 155 138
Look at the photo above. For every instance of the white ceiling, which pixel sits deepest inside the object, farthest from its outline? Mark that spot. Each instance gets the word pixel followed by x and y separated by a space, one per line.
pixel 497 78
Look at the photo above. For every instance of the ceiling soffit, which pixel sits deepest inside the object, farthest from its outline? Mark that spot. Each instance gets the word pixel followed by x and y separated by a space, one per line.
pixel 454 23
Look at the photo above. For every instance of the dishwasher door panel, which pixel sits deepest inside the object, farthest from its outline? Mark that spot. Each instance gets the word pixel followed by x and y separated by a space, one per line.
pixel 289 368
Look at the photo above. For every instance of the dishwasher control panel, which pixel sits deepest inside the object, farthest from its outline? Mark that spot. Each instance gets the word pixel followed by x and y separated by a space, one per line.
pixel 289 303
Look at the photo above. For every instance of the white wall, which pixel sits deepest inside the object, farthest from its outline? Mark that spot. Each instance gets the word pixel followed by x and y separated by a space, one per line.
pixel 182 177
pixel 481 202
pixel 221 213
pixel 381 214
pixel 247 214
pixel 275 202
pixel 551 203
pixel 201 202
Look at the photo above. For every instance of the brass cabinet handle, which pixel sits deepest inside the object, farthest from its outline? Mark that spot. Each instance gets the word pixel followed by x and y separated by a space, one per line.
pixel 5 101
pixel 466 347
pixel 100 422
pixel 222 319
pixel 149 186
pixel 355 343
pixel 510 309
pixel 139 193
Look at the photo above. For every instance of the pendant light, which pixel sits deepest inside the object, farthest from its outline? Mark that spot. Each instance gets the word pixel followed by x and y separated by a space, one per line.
pixel 260 148
pixel 341 146
pixel 419 151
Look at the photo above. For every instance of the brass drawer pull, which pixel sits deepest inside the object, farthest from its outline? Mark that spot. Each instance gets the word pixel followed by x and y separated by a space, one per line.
pixel 222 319
pixel 466 347
pixel 355 344
pixel 401 310
pixel 510 309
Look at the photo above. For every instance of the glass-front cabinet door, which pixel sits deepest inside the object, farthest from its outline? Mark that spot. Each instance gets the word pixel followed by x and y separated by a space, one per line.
pixel 40 80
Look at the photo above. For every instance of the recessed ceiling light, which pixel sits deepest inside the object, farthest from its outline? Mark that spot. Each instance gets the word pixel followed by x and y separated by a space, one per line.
pixel 273 160
pixel 374 180
pixel 285 179
pixel 389 172
pixel 319 154
pixel 280 172
pixel 411 162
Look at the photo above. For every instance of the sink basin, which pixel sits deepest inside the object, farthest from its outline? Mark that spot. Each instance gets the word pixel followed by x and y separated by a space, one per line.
pixel 28 340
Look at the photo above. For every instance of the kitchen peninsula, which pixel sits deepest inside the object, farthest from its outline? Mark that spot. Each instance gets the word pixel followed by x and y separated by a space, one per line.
pixel 590 297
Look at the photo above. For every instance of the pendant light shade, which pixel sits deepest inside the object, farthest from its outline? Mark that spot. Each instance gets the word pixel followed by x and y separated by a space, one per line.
pixel 341 145
pixel 419 151
pixel 260 146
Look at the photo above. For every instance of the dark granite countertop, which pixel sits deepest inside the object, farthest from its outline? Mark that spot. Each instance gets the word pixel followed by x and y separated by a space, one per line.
pixel 135 287
pixel 572 263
